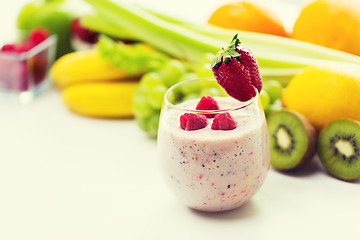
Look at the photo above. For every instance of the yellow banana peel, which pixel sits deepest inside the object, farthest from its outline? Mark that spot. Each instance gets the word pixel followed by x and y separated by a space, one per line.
pixel 85 66
pixel 102 100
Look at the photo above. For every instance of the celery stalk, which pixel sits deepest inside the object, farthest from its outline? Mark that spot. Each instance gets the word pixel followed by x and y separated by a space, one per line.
pixel 260 42
pixel 170 38
pixel 276 55
pixel 100 24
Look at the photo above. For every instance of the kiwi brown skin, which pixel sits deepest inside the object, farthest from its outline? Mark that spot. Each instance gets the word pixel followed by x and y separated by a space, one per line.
pixel 323 158
pixel 312 140
pixel 311 135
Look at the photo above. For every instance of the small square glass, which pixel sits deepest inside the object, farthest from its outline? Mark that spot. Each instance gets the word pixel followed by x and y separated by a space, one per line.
pixel 25 75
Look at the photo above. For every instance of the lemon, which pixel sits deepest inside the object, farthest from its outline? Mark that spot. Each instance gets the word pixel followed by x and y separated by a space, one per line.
pixel 324 94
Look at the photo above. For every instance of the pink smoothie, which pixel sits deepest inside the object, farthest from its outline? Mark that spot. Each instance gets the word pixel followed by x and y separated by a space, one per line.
pixel 215 170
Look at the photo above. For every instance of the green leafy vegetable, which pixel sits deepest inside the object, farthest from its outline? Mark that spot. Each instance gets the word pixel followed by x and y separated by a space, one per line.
pixel 133 58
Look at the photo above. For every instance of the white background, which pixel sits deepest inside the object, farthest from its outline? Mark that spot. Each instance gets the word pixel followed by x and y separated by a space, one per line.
pixel 63 176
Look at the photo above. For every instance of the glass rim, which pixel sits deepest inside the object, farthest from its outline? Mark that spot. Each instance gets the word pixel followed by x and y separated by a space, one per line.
pixel 48 42
pixel 175 106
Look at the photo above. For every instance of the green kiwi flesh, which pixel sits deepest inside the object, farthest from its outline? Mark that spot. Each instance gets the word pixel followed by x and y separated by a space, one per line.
pixel 292 139
pixel 339 148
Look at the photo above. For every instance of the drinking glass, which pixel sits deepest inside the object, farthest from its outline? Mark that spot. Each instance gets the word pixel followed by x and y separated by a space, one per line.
pixel 212 170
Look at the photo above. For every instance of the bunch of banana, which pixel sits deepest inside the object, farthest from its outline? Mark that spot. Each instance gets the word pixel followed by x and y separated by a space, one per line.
pixel 91 86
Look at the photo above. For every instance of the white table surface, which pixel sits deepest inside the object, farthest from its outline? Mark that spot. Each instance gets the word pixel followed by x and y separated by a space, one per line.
pixel 63 176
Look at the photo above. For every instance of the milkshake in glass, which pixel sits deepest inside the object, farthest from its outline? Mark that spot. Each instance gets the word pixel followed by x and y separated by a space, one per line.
pixel 213 170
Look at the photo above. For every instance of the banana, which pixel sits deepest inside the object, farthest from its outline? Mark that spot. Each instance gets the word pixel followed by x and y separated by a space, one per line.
pixel 84 66
pixel 100 99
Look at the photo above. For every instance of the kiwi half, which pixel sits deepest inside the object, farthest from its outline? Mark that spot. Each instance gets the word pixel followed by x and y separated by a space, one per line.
pixel 292 139
pixel 339 148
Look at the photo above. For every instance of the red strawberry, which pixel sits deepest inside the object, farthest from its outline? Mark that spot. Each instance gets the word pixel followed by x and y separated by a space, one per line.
pixel 207 103
pixel 235 79
pixel 223 121
pixel 250 62
pixel 237 71
pixel 191 121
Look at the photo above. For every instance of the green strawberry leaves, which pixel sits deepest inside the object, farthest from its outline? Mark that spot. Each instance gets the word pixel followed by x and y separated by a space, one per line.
pixel 226 54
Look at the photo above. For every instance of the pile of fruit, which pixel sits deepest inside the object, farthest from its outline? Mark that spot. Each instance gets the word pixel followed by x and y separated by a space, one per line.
pixel 127 63
pixel 318 110
pixel 320 115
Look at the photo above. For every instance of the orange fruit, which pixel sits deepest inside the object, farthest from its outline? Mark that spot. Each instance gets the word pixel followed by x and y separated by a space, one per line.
pixel 330 23
pixel 247 16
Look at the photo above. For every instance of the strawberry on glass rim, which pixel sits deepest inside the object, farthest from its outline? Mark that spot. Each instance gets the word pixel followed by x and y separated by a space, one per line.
pixel 237 71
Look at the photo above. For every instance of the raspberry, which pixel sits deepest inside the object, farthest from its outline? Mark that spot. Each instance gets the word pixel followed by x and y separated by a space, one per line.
pixel 38 35
pixel 207 103
pixel 191 121
pixel 223 121
pixel 8 48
